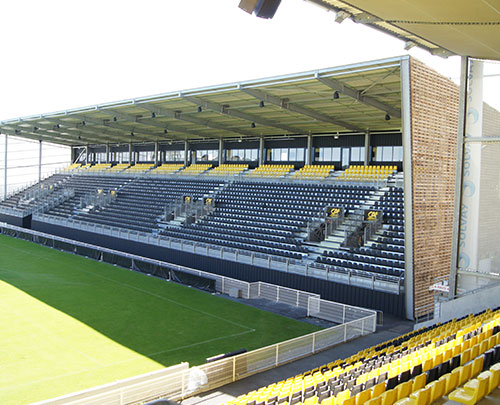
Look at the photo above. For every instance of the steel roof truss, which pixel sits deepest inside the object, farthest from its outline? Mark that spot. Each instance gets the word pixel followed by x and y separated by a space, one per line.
pixel 358 95
pixel 286 105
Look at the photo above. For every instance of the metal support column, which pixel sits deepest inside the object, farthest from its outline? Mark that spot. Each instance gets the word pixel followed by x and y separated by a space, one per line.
pixel 40 160
pixel 221 151
pixel 462 111
pixel 5 169
pixel 366 158
pixel 157 147
pixel 408 181
pixel 186 153
pixel 86 154
pixel 107 153
pixel 309 149
pixel 130 153
pixel 261 151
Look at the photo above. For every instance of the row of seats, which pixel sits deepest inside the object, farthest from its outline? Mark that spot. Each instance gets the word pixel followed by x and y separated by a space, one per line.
pixel 273 214
pixel 195 170
pixel 167 169
pixel 314 172
pixel 383 254
pixel 419 367
pixel 271 171
pixel 228 170
pixel 367 173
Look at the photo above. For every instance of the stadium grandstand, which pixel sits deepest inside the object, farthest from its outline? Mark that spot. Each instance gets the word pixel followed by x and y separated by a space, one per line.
pixel 344 195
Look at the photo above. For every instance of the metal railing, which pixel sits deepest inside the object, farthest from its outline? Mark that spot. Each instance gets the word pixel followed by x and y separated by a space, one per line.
pixel 374 281
pixel 181 381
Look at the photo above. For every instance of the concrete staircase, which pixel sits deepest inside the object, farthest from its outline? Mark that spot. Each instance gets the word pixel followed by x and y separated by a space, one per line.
pixel 335 240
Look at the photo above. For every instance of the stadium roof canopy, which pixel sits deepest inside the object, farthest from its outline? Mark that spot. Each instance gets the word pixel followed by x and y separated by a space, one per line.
pixel 444 27
pixel 348 99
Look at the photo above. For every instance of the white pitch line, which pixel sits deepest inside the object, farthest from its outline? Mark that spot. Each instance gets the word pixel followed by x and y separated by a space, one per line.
pixel 158 296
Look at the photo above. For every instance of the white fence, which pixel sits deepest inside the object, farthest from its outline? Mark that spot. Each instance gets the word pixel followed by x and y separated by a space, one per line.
pixel 180 381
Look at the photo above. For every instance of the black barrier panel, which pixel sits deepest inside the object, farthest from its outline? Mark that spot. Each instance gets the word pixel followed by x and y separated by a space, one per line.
pixel 88 252
pixel 202 283
pixel 12 220
pixel 64 246
pixel 153 269
pixel 116 259
pixel 329 290
pixel 162 272
pixel 44 241
pixel 10 232
pixel 144 267
pixel 25 236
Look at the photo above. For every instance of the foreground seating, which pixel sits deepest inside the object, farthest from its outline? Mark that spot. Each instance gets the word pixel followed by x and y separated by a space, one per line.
pixel 419 367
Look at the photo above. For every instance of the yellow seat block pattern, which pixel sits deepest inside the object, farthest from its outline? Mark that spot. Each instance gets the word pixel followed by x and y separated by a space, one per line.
pixel 228 170
pixel 271 171
pixel 167 169
pixel 99 167
pixel 118 167
pixel 194 170
pixel 367 173
pixel 314 172
pixel 140 168
pixel 72 167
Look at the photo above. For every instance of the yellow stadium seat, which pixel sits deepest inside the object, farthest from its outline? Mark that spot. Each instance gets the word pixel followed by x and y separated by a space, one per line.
pixel 389 397
pixel 375 401
pixel 419 382
pixel 378 389
pixel 452 380
pixel 477 366
pixel 404 389
pixel 363 397
pixel 472 392
pixel 438 389
pixel 465 373
pixel 422 396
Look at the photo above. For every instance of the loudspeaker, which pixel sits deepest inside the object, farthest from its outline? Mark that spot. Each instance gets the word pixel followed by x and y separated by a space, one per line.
pixel 248 5
pixel 267 8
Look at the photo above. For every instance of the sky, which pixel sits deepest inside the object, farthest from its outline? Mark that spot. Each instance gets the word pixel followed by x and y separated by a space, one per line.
pixel 60 54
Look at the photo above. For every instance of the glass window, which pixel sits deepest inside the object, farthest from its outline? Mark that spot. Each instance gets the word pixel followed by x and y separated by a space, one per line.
pixel 275 154
pixel 398 154
pixel 387 154
pixel 378 154
pixel 255 154
pixel 327 156
pixel 300 154
pixel 284 155
pixel 292 155
pixel 355 154
pixel 335 155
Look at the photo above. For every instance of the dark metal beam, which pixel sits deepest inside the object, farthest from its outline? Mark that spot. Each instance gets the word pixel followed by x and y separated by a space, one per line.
pixel 228 110
pixel 358 95
pixel 286 105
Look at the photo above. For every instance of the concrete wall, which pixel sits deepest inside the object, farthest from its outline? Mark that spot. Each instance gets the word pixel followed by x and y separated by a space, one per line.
pixel 467 304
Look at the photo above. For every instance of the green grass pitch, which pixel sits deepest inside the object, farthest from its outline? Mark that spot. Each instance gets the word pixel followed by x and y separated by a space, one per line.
pixel 70 323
